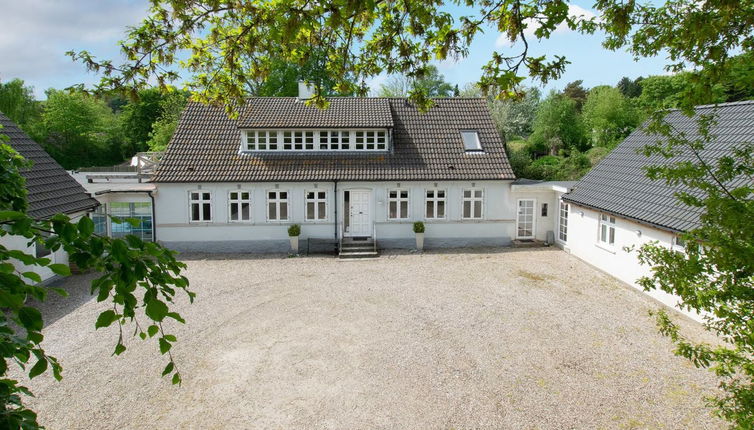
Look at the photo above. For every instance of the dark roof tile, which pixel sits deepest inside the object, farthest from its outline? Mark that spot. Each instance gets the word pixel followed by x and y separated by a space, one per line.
pixel 619 185
pixel 51 190
pixel 426 146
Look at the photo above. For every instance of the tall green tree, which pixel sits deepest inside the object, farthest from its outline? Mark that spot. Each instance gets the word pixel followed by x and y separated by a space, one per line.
pixel 609 117
pixel 17 102
pixel 558 126
pixel 630 88
pixel 137 118
pixel 432 84
pixel 575 91
pixel 140 280
pixel 79 130
pixel 171 106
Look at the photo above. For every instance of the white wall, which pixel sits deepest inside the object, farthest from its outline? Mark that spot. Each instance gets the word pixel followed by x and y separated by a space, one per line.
pixel 21 243
pixel 173 226
pixel 582 242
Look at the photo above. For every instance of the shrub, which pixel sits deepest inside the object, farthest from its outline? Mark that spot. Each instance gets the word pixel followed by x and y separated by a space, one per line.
pixel 418 227
pixel 294 230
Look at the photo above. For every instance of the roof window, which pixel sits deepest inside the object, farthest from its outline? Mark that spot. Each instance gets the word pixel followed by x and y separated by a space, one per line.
pixel 471 141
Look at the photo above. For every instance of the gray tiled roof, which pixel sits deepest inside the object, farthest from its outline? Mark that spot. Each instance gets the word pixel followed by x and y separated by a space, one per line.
pixel 425 147
pixel 281 112
pixel 618 184
pixel 51 189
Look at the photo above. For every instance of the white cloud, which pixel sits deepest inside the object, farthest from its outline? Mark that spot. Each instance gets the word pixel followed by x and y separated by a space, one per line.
pixel 531 25
pixel 36 34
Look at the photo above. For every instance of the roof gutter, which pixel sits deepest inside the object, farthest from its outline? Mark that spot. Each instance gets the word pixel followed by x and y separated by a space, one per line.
pixel 630 218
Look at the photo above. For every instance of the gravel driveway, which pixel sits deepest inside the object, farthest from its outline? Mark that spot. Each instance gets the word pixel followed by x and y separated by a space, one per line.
pixel 476 339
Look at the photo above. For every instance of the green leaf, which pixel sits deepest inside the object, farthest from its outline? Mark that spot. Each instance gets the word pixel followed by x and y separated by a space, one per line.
pixel 60 269
pixel 169 368
pixel 38 368
pixel 176 316
pixel 164 345
pixel 35 337
pixel 156 310
pixel 152 330
pixel 106 318
pixel 33 276
pixel 177 379
pixel 119 348
pixel 31 318
pixel 170 338
pixel 86 227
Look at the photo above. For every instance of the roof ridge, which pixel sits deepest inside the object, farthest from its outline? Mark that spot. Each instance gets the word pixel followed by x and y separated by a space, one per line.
pixel 717 105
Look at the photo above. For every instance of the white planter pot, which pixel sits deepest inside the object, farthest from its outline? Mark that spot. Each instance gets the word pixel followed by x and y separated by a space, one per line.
pixel 420 241
pixel 294 244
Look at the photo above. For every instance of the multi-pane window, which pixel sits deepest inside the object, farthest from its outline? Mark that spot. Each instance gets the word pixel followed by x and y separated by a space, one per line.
pixel 262 140
pixel 607 230
pixel 472 203
pixel 239 206
pixel 200 206
pixel 316 205
pixel 277 205
pixel 397 204
pixel 435 204
pixel 563 222
pixel 316 140
pixel 124 211
pixel 40 250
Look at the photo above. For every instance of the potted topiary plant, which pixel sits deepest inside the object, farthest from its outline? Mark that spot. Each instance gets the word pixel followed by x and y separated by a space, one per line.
pixel 294 231
pixel 419 230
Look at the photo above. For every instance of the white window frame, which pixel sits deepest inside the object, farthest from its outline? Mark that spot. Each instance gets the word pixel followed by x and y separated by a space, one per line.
pixel 471 201
pixel 398 199
pixel 609 223
pixel 316 140
pixel 277 200
pixel 563 213
pixel 239 201
pixel 201 201
pixel 436 200
pixel 316 201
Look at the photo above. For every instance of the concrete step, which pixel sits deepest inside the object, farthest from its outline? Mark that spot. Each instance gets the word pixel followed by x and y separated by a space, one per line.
pixel 358 254
pixel 357 248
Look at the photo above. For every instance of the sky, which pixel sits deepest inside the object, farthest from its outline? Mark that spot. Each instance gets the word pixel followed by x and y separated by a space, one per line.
pixel 36 34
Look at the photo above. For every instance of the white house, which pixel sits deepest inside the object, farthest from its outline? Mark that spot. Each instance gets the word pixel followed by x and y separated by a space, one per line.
pixel 616 207
pixel 361 172
pixel 50 191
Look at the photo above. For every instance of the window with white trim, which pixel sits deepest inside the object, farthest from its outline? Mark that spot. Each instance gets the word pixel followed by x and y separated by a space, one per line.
pixel 239 206
pixel 397 204
pixel 316 205
pixel 473 203
pixel 607 230
pixel 200 206
pixel 277 205
pixel 315 140
pixel 435 204
pixel 563 222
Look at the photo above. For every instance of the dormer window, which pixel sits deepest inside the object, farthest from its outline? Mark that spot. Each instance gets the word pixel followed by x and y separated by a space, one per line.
pixel 314 140
pixel 471 141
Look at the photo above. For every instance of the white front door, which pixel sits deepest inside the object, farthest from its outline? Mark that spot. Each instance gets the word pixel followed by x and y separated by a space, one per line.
pixel 525 219
pixel 359 215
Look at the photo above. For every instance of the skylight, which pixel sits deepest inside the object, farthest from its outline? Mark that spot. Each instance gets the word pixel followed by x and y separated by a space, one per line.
pixel 471 140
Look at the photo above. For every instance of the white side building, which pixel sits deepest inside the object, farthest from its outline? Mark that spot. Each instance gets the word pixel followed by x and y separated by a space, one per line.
pixel 50 191
pixel 616 208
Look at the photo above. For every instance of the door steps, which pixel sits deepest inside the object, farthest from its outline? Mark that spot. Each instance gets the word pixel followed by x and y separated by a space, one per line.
pixel 356 249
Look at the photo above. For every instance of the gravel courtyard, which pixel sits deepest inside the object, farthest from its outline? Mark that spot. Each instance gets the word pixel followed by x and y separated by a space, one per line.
pixel 517 339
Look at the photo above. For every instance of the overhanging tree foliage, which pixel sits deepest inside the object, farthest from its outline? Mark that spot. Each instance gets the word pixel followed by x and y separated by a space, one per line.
pixel 140 280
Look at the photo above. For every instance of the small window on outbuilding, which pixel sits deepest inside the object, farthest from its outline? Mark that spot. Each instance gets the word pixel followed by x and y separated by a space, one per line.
pixel 471 141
